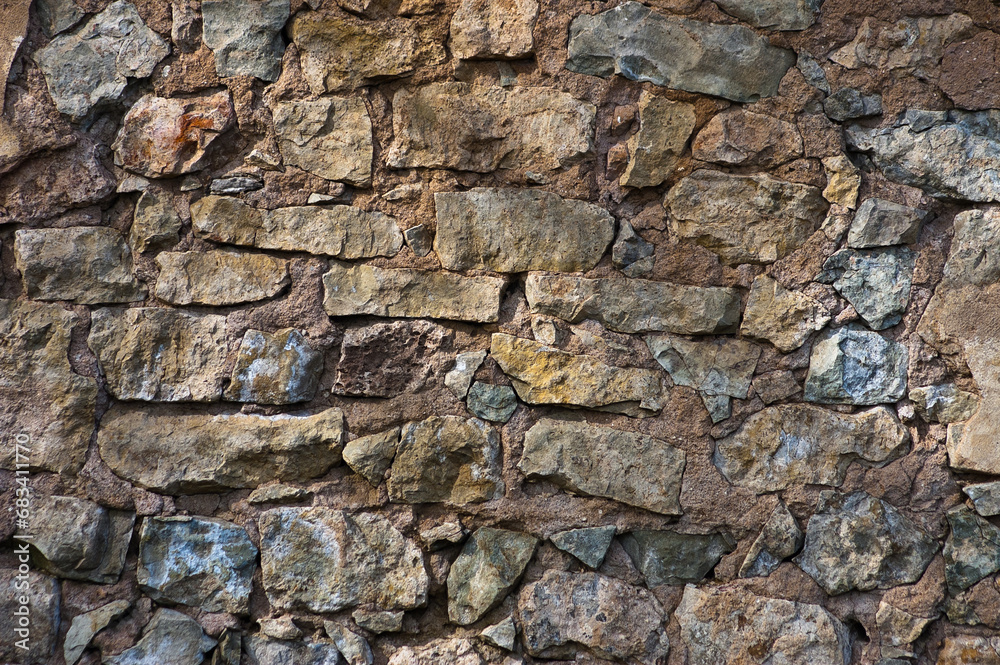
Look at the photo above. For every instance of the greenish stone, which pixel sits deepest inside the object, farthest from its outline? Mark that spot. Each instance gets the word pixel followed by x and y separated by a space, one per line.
pixel 779 539
pixel 588 545
pixel 985 497
pixel 851 365
pixel 972 550
pixel 490 402
pixel 667 557
pixel 876 282
pixel 490 564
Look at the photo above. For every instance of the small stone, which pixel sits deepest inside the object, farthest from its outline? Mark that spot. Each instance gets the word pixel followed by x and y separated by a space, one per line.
pixel 985 497
pixel 655 150
pixel 774 14
pixel 378 622
pixel 885 548
pixel 843 180
pixel 419 239
pixel 667 557
pixel 156 224
pixel 452 651
pixel 717 366
pixel 264 651
pixel 849 103
pixel 589 545
pixel 879 223
pixel 330 137
pixel 57 16
pixel 44 606
pixel 282 628
pixel 780 539
pixel 741 137
pixel 77 539
pixel 642 45
pixel 404 193
pixel 218 278
pixel 776 386
pixel 490 402
pixel 876 282
pixel 912 43
pixel 631 254
pixel 851 365
pixel 246 37
pixel 235 185
pixel 972 551
pixel 85 626
pixel 813 72
pixel 484 29
pixel 170 637
pixel 372 455
pixel 489 566
pixel 720 407
pixel 944 403
pixel 318 199
pixel 459 377
pixel 278 493
pixel 782 317
pixel 443 535
pixel 85 264
pixel 279 368
pixel 352 646
pixel 898 628
pixel 502 635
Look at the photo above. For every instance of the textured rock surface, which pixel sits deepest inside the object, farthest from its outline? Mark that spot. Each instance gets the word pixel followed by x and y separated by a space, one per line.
pixel 972 550
pixel 245 37
pixel 780 539
pixel 719 366
pixel 156 224
pixel 459 377
pixel 879 223
pixel 275 369
pixel 491 402
pixel 459 651
pixel 482 29
pixel 169 637
pixel 79 540
pixel 851 365
pixel 330 137
pixel 390 359
pixel 44 608
pixel 985 497
pixel 631 253
pixel 944 403
pixel 913 43
pixel 667 557
pixel 264 651
pixel 782 317
pixel 85 626
pixel 776 14
pixel 656 149
pixel 589 545
pixel 876 282
pixel 490 564
pixel 969 650
pixel 372 455
pixel 745 138
pixel 218 277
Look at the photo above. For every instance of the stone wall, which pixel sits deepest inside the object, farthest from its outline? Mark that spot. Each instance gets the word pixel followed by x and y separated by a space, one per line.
pixel 490 332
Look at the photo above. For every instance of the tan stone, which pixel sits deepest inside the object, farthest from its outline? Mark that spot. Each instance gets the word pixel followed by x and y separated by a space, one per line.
pixel 915 43
pixel 13 26
pixel 219 277
pixel 782 317
pixel 156 224
pixel 372 455
pixel 741 137
pixel 330 137
pixel 279 368
pixel 970 650
pixel 654 151
pixel 843 181
pixel 492 28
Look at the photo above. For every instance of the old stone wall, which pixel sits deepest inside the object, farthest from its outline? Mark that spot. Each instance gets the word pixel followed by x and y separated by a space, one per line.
pixel 498 332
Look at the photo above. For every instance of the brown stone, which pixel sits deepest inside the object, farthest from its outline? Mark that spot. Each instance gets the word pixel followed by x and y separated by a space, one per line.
pixel 492 29
pixel 218 277
pixel 970 72
pixel 741 137
pixel 389 359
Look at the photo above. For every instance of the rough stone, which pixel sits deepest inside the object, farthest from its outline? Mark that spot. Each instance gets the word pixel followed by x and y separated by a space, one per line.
pixel 779 539
pixel 330 137
pixel 278 493
pixel 729 61
pixel 163 137
pixel 741 137
pixel 898 629
pixel 589 545
pixel 56 16
pixel 776 386
pixel 372 455
pixel 667 557
pixel 782 317
pixel 491 402
pixel 985 497
pixel 156 224
pixel 352 646
pixel 799 444
pixel 44 606
pixel 969 650
pixel 176 453
pixel 843 181
pixel 324 560
pixel 655 150
pixel 282 628
pixel 264 651
pixel 879 223
pixel 773 14
pixel 502 635
pixel 235 185
pixel 279 368
pixel 716 366
pixel 850 103
pixel 446 459
pixel 456 651
pixel 916 44
pixel 851 365
pixel 245 37
pixel 419 239
pixel 972 550
pixel 459 377
pixel 744 219
pixel 516 230
pixel 390 359
pixel 483 29
pixel 969 72
pixel 378 622
pixel 972 259
pixel 443 535
pixel 876 282
pixel 77 539
pixel 85 626
pixel 489 566
pixel 972 444
pixel 631 254
pixel 221 277
pixel 944 403
pixel 14 17
pixel 613 619
pixel 636 305
pixel 170 637
pixel 885 548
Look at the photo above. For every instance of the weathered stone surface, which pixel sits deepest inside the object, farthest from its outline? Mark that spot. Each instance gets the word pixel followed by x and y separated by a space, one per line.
pixel 156 224
pixel 599 461
pixel 85 264
pixel 636 305
pixel 782 317
pixel 390 359
pixel 972 550
pixel 843 181
pixel 44 606
pixel 484 29
pixel 851 365
pixel 163 137
pixel 544 375
pixel 279 368
pixel 157 354
pixel 330 137
pixel 516 230
pixel 168 452
pixel 666 557
pixel 970 650
pixel 589 545
pixel 876 282
pixel 446 459
pixel 459 377
pixel 219 277
pixel 372 455
pixel 201 562
pixel 14 17
pixel 898 629
pixel 473 128
pixel 235 185
pixel 264 651
pixel 631 254
pixel 323 560
pixel 985 497
pixel 969 72
pixel 502 635
pixel 341 231
pixel 801 444
pixel 170 637
pixel 716 366
pixel 56 16
pixel 278 493
pixel 780 539
pixel 443 535
pixel 776 386
pixel 728 61
pixel 490 564
pixel 44 404
pixel 79 540
pixel 879 223
pixel 419 239
pixel 849 103
pixel 457 651
pixel 944 403
pixel 730 624
pixel 245 37
pixel 913 43
pixel 491 402
pixel 351 290
pixel 85 626
pixel 972 259
pixel 378 621
pixel 654 151
pixel 614 619
pixel 282 628
pixel 92 65
pixel 885 548
pixel 352 646
pixel 741 137
pixel 744 219
pixel 774 14
pixel 972 444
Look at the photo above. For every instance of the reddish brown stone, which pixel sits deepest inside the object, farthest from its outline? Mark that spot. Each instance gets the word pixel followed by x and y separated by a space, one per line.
pixel 970 72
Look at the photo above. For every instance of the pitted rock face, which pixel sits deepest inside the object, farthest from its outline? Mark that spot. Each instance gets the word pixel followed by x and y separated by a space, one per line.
pixel 490 564
pixel 275 369
pixel 80 540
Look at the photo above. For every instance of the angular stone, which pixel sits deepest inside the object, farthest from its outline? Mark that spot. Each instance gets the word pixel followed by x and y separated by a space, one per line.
pixel 985 497
pixel 85 264
pixel 56 16
pixel 774 14
pixel 898 628
pixel 744 219
pixel 740 137
pixel 780 539
pixel 364 560
pixel 654 151
pixel 14 18
pixel 279 368
pixel 221 277
pixel 235 185
pixel 491 402
pixel 843 180
pixel 459 377
pixel 969 72
pixel 489 566
pixel 390 359
pixel 516 230
pixel 851 365
pixel 631 254
pixel 885 548
pixel 879 223
pixel 443 535
pixel 92 65
pixel 636 305
pixel 330 137
pixel 245 37
pixel 372 455
pixel 730 624
pixel 352 646
pixel 719 407
pixel 782 317
pixel 165 451
pixel 77 539
pixel 351 290
pixel 44 404
pixel 666 557
pixel 544 375
pixel 876 282
pixel 972 444
pixel 973 259
pixel 849 103
pixel 446 459
pixel 170 637
pixel 85 626
pixel 282 628
pixel 729 61
pixel 970 650
pixel 913 43
pixel 44 607
pixel 419 239
pixel 264 651
pixel 972 550
pixel 156 224
pixel 480 129
pixel 716 366
pixel 589 545
pixel 378 622
pixel 613 619
pixel 163 137
pixel 158 354
pixel 457 651
pixel 800 444
pixel 278 493
pixel 776 386
pixel 502 635
pixel 484 29
pixel 202 562
pixel 944 403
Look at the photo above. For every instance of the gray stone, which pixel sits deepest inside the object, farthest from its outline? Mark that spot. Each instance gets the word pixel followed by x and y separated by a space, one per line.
pixel 985 497
pixel 264 651
pixel 330 137
pixel 502 635
pixel 324 560
pixel 41 636
pixel 156 224
pixel 245 37
pixel 589 545
pixel 372 455
pixel 282 628
pixel 235 185
pixel 615 620
pixel 851 365
pixel 516 230
pixel 779 539
pixel 879 223
pixel 885 548
pixel 378 622
pixel 278 493
pixel 944 403
pixel 85 626
pixel 170 637
pixel 631 254
pixel 773 14
pixel 667 557
pixel 489 566
pixel 278 368
pixel 972 550
pixel 77 539
pixel 850 103
pixel 459 377
pixel 92 65
pixel 728 61
pixel 813 72
pixel 58 16
pixel 782 317
pixel 716 367
pixel 599 461
pixel 655 150
pixel 636 305
pixel 973 258
pixel 419 239
pixel 912 43
pixel 489 29
pixel 351 646
pixel 219 277
pixel 741 137
pixel 876 282
pixel 720 407
pixel 491 402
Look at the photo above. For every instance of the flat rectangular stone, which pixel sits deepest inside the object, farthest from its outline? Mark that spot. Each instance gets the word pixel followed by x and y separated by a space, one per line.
pixel 218 277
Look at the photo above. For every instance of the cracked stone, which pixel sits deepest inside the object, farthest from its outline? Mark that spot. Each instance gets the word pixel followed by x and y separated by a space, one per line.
pixel 246 37
pixel 278 368
pixel 667 557
pixel 879 223
pixel 489 566
pixel 77 539
pixel 221 277
pixel 330 137
pixel 779 539
pixel 851 365
pixel 782 317
pixel 589 545
pixel 875 282
pixel 655 150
